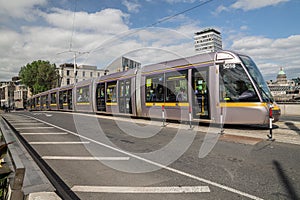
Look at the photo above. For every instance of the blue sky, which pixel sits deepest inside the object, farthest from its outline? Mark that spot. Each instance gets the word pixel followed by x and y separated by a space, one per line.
pixel 267 30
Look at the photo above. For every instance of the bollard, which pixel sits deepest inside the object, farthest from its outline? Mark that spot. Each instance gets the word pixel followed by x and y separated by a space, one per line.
pixel 163 115
pixel 270 136
pixel 190 118
pixel 221 121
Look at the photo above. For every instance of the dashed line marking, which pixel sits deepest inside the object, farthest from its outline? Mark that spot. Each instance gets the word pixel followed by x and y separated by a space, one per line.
pixel 26 124
pixel 165 190
pixel 32 127
pixel 85 158
pixel 59 143
pixel 53 133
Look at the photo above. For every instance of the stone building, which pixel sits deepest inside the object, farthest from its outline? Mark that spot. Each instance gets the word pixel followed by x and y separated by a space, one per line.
pixel 14 94
pixel 82 72
pixel 284 89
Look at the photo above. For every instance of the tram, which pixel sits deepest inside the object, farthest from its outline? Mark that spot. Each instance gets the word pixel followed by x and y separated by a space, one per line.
pixel 203 86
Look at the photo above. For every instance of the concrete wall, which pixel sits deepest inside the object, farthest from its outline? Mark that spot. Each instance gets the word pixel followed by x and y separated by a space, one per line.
pixel 290 109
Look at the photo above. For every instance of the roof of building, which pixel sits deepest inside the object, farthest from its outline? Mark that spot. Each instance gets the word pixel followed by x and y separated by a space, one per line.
pixel 281 72
pixel 208 30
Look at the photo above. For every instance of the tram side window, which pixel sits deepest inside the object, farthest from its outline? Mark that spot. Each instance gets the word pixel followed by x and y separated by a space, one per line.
pixel 44 101
pixel 83 94
pixel 111 92
pixel 38 101
pixel 235 85
pixel 176 83
pixel 63 97
pixel 53 98
pixel 155 88
pixel 100 90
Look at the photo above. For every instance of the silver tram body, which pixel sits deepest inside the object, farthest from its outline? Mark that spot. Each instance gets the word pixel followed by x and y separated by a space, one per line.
pixel 207 85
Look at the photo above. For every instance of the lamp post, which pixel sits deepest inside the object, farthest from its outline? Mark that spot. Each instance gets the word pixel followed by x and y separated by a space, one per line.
pixel 1 90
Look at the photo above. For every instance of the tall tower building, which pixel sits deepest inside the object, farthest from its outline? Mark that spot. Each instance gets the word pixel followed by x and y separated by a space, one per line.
pixel 208 40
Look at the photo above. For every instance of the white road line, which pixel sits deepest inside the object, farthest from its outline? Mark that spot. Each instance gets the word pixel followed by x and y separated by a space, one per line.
pixel 109 189
pixel 27 124
pixel 21 120
pixel 54 133
pixel 33 127
pixel 59 142
pixel 84 158
pixel 224 187
pixel 18 121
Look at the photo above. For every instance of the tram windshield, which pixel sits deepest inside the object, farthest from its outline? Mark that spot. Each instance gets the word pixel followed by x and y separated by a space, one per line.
pixel 235 85
pixel 257 78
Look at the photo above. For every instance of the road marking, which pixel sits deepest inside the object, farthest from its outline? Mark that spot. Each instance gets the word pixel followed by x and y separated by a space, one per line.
pixel 55 133
pixel 110 189
pixel 85 158
pixel 38 127
pixel 224 187
pixel 23 121
pixel 26 123
pixel 59 142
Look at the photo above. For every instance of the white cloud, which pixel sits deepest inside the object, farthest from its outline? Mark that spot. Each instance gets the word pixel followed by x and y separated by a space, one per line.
pixel 106 21
pixel 271 54
pixel 33 42
pixel 144 45
pixel 247 5
pixel 19 8
pixel 220 9
pixel 132 5
pixel 180 1
pixel 243 28
pixel 252 4
pixel 105 34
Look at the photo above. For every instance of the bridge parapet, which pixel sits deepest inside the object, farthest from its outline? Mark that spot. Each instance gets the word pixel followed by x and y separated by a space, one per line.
pixel 290 108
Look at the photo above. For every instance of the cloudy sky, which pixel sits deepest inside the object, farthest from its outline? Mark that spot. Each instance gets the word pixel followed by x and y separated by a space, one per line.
pixel 147 31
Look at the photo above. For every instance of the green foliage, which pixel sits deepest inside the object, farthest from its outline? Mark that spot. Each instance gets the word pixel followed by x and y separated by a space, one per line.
pixel 39 76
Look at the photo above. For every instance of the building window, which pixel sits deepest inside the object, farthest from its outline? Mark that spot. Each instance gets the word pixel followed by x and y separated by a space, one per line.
pixel 91 74
pixel 68 72
pixel 83 74
pixel 68 81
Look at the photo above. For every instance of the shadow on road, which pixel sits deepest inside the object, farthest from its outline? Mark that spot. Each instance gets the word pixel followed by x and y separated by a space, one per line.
pixel 293 127
pixel 285 180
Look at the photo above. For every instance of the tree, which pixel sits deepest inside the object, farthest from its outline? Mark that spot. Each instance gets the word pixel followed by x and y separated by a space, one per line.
pixel 39 76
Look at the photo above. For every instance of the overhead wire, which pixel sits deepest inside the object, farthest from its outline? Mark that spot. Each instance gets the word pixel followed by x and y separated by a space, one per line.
pixel 153 24
pixel 73 24
pixel 180 13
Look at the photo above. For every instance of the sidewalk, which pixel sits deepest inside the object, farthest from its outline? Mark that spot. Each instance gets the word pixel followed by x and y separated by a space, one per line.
pixel 285 131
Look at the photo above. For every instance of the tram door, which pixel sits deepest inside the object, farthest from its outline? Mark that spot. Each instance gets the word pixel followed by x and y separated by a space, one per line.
pixel 65 99
pixel 100 97
pixel 69 99
pixel 125 96
pixel 200 97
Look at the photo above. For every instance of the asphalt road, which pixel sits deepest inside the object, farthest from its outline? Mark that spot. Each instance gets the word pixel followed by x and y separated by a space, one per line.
pixel 100 158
